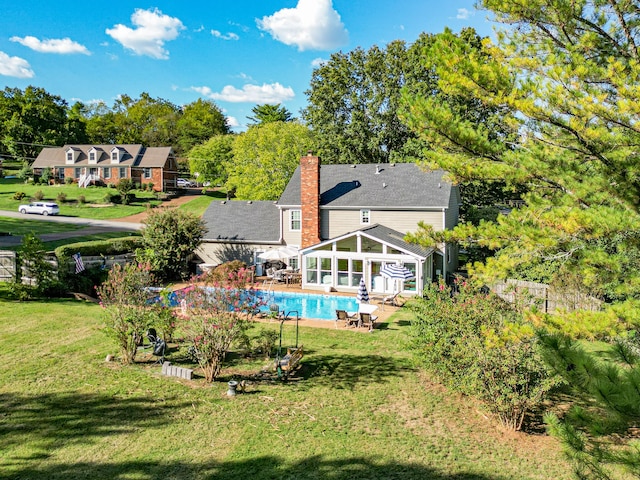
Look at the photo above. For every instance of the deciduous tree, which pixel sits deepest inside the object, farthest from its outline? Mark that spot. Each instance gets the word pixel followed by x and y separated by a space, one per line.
pixel 198 122
pixel 30 120
pixel 211 159
pixel 265 157
pixel 169 236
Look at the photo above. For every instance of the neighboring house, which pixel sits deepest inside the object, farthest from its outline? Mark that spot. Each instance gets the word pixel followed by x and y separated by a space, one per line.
pixel 105 164
pixel 347 220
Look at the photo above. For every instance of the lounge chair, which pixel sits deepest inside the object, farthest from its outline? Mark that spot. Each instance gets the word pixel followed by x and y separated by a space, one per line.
pixel 390 300
pixel 346 317
pixel 367 320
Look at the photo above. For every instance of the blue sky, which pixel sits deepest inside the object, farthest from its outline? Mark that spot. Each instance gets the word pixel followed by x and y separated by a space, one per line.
pixel 237 53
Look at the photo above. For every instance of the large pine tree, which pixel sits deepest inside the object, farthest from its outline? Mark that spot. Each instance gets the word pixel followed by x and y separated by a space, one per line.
pixel 566 76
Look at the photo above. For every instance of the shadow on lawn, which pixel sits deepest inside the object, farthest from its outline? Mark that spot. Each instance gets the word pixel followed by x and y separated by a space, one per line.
pixel 257 468
pixel 346 371
pixel 52 420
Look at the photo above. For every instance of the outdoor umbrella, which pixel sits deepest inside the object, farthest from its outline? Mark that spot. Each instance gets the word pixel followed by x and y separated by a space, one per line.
pixel 396 272
pixel 279 253
pixel 363 295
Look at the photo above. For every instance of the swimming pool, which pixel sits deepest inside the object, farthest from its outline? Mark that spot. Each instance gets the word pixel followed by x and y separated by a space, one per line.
pixel 308 305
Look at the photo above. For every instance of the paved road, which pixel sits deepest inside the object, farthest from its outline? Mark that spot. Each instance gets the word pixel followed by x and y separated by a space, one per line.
pixel 91 227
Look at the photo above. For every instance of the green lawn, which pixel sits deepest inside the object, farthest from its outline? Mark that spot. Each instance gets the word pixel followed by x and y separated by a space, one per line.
pixel 21 226
pixel 94 206
pixel 358 408
pixel 94 198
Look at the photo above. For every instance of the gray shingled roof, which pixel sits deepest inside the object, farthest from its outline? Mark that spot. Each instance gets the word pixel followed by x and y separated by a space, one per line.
pixel 403 185
pixel 242 221
pixel 134 155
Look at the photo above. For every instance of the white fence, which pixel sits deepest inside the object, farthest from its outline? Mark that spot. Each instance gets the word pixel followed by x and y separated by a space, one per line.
pixel 8 265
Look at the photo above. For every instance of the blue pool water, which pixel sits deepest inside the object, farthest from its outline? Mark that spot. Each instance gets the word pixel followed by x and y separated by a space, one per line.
pixel 309 305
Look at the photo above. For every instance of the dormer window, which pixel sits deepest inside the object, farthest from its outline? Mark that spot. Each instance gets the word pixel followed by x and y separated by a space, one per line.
pixel 115 155
pixel 71 155
pixel 93 155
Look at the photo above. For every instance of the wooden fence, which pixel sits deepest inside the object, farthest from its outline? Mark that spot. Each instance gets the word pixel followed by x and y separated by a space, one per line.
pixel 545 297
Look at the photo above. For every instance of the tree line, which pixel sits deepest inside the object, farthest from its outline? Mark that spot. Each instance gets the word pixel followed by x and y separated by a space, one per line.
pixel 33 118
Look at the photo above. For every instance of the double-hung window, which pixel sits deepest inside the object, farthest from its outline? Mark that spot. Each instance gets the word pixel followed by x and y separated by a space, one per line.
pixel 365 217
pixel 295 220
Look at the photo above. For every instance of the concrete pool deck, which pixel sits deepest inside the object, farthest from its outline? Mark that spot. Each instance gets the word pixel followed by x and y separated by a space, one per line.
pixel 261 282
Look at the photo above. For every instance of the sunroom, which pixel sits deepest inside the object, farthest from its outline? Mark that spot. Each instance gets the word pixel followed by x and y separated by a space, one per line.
pixel 338 264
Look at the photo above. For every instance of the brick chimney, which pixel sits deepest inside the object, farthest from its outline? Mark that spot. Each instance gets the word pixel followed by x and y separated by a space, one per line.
pixel 310 199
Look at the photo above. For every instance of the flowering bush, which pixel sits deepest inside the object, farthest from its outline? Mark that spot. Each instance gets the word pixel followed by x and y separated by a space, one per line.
pixel 480 345
pixel 127 312
pixel 214 314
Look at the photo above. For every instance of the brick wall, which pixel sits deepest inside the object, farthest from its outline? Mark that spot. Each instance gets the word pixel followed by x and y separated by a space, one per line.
pixel 310 199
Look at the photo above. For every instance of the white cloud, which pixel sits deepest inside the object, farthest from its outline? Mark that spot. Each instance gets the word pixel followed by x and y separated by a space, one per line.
pixel 318 62
pixel 54 45
pixel 463 14
pixel 272 93
pixel 15 67
pixel 228 36
pixel 153 29
pixel 311 25
pixel 233 122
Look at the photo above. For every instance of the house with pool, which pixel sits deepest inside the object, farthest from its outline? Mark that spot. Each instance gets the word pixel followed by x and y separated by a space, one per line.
pixel 347 222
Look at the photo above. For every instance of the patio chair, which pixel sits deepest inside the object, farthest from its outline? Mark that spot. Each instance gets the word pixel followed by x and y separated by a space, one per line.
pixel 159 350
pixel 390 299
pixel 367 320
pixel 347 318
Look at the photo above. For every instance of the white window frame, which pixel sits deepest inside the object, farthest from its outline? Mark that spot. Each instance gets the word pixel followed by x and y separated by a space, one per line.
pixel 365 216
pixel 77 172
pixel 292 218
pixel 115 155
pixel 122 170
pixel 70 157
pixel 106 172
pixel 146 173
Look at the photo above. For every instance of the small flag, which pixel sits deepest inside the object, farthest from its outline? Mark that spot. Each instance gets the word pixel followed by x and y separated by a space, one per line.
pixel 79 262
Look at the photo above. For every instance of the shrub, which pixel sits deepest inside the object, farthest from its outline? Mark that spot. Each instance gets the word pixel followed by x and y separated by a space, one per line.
pixel 33 263
pixel 266 341
pixel 62 197
pixel 39 195
pixel 111 197
pixel 81 200
pixel 215 316
pixel 126 314
pixel 46 176
pixel 169 237
pixel 19 195
pixel 222 272
pixel 68 180
pixel 480 345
